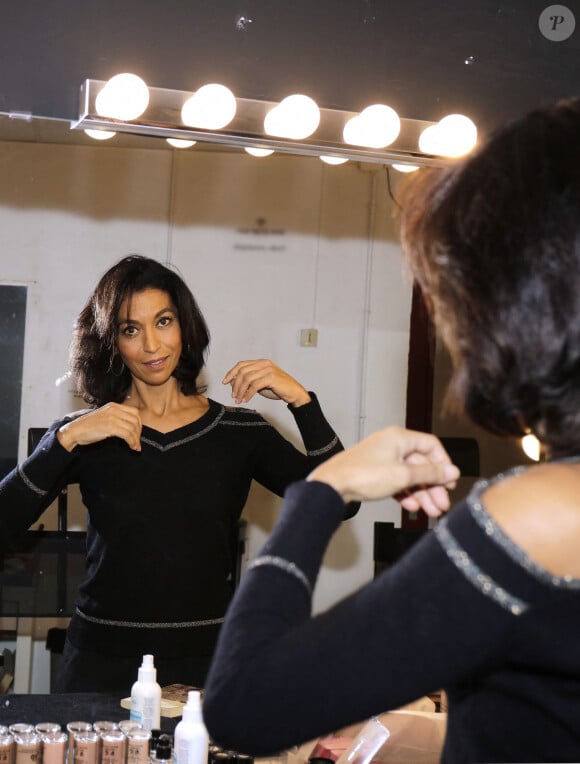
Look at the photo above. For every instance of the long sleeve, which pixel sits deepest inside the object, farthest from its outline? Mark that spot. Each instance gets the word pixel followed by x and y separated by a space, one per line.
pixel 320 439
pixel 278 463
pixel 445 615
pixel 33 485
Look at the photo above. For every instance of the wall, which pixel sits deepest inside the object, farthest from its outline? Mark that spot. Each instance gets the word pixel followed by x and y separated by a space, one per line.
pixel 268 246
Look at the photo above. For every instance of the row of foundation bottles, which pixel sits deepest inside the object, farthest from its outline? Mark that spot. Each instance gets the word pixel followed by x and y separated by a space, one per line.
pixel 104 742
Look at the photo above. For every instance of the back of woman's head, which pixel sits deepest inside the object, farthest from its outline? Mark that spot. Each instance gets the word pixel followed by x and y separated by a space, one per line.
pixel 100 375
pixel 494 243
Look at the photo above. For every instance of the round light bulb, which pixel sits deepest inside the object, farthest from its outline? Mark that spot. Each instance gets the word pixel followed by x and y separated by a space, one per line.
pixel 211 107
pixel 459 134
pixel 333 160
pixel 431 140
pixel 274 123
pixel 452 136
pixel 376 126
pixel 100 135
pixel 295 117
pixel 531 447
pixel 353 131
pixel 404 167
pixel 124 96
pixel 256 152
pixel 180 143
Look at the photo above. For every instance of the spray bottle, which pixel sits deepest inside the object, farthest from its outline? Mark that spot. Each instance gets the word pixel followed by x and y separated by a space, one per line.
pixel 191 738
pixel 146 696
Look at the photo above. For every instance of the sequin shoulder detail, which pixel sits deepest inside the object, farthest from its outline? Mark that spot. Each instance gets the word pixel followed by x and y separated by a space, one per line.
pixel 243 417
pixel 473 573
pixel 494 532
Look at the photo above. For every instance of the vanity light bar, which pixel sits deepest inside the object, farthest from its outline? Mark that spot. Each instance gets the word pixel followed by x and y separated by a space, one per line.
pixel 162 118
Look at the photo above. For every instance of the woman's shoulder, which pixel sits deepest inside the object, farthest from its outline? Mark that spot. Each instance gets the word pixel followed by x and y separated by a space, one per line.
pixel 539 510
pixel 242 416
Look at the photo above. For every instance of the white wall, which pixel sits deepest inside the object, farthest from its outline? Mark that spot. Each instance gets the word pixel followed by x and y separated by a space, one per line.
pixel 268 247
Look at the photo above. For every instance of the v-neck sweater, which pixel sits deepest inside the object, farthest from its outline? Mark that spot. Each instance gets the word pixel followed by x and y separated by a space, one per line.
pixel 161 521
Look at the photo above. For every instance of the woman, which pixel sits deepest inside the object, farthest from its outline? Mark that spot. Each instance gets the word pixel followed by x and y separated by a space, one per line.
pixel 164 472
pixel 487 605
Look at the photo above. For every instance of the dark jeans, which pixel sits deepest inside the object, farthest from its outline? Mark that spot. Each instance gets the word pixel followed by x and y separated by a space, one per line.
pixel 91 671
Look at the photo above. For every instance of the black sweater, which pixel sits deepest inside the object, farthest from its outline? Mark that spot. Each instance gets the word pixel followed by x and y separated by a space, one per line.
pixel 465 609
pixel 161 521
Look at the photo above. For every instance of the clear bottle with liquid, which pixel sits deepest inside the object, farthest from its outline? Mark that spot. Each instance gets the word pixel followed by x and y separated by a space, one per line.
pixel 146 696
pixel 367 743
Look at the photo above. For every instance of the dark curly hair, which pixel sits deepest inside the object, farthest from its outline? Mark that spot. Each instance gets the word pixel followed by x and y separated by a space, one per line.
pixel 494 243
pixel 94 357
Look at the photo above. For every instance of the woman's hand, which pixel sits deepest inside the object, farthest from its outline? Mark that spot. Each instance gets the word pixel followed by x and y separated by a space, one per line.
pixel 262 376
pixel 113 420
pixel 412 467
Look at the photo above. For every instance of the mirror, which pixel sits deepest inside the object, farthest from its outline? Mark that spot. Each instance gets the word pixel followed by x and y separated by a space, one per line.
pixel 269 247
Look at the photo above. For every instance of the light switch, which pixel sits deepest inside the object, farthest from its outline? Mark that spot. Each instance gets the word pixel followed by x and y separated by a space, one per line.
pixel 308 338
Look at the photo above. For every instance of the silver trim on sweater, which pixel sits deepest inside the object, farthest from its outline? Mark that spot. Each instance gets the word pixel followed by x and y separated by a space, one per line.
pixel 473 573
pixel 282 564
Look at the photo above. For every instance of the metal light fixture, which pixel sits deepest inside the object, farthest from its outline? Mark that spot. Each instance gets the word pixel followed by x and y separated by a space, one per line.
pixel 163 116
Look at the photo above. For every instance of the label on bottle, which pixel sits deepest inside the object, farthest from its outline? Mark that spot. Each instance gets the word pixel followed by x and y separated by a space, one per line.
pixel 145 711
pixel 135 714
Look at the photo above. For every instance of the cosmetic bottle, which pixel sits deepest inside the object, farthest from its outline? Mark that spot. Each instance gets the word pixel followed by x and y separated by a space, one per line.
pixel 163 750
pixel 191 737
pixel 146 696
pixel 138 741
pixel 367 743
pixel 28 747
pixel 54 746
pixel 84 747
pixel 155 735
pixel 6 747
pixel 113 747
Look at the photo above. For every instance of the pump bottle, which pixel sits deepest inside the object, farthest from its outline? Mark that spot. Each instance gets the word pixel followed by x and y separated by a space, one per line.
pixel 191 738
pixel 146 696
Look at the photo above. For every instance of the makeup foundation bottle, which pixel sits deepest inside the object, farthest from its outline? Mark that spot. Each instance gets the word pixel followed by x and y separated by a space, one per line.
pixel 138 741
pixel 113 747
pixel 27 747
pixel 76 729
pixel 54 745
pixel 84 748
pixel 6 747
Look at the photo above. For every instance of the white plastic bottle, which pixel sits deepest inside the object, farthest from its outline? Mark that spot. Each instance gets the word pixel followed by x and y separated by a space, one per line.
pixel 191 740
pixel 146 696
